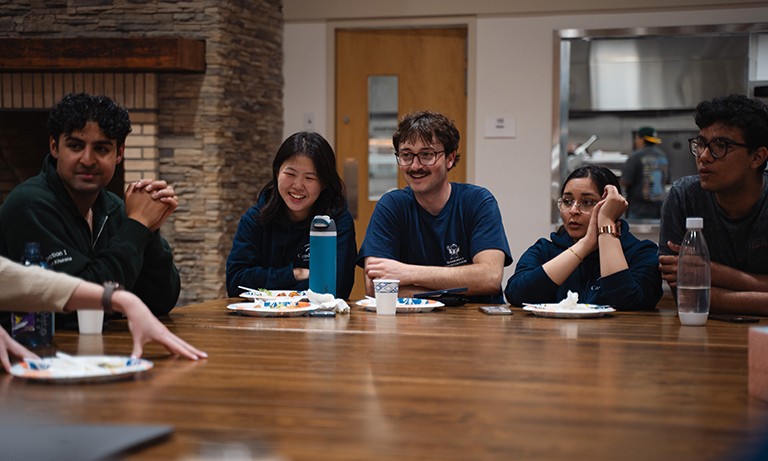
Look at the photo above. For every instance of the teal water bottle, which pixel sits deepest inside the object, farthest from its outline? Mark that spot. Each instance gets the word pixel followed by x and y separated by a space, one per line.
pixel 322 255
pixel 33 329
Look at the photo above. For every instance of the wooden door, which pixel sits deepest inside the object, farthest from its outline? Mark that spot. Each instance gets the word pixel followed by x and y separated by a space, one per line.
pixel 430 69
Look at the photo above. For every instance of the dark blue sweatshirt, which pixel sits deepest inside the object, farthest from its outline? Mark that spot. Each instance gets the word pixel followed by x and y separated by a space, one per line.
pixel 638 287
pixel 264 255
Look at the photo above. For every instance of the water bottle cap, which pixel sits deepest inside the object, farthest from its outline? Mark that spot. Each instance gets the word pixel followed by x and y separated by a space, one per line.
pixel 323 223
pixel 694 223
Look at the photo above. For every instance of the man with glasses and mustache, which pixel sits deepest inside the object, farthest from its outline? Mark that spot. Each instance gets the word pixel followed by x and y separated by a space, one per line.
pixel 435 234
pixel 731 194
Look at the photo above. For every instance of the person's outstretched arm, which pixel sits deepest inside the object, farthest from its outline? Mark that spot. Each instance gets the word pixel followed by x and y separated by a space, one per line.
pixel 144 326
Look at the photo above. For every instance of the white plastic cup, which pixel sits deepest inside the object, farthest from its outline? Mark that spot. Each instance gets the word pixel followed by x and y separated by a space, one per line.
pixel 90 321
pixel 386 296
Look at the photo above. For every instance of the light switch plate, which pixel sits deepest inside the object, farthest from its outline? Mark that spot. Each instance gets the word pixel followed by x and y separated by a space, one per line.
pixel 500 126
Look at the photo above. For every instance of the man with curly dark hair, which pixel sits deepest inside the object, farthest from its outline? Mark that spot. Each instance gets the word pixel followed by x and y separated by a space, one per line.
pixel 731 194
pixel 83 229
pixel 435 234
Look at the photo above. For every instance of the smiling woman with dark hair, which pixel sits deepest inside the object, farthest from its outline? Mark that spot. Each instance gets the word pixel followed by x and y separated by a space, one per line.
pixel 592 253
pixel 271 246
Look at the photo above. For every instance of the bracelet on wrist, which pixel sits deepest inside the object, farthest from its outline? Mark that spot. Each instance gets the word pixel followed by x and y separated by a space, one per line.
pixel 609 229
pixel 576 254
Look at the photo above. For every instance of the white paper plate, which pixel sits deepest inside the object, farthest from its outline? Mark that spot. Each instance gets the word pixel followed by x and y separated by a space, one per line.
pixel 272 295
pixel 271 309
pixel 404 305
pixel 81 368
pixel 581 311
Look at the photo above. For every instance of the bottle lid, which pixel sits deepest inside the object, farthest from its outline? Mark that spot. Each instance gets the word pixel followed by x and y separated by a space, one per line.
pixel 323 223
pixel 694 223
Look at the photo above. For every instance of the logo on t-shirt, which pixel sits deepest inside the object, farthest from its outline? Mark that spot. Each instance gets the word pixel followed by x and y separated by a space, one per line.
pixel 454 258
pixel 654 170
pixel 302 257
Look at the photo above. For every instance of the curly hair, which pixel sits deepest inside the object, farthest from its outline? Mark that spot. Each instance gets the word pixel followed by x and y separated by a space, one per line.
pixel 426 126
pixel 76 109
pixel 737 111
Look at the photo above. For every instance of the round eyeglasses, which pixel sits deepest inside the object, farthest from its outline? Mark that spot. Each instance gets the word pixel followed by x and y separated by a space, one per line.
pixel 585 206
pixel 718 147
pixel 426 157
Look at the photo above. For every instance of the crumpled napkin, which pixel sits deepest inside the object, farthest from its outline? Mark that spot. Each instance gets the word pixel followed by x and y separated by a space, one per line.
pixel 571 300
pixel 327 302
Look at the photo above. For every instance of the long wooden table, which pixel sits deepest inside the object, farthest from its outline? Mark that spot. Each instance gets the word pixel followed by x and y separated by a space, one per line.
pixel 453 384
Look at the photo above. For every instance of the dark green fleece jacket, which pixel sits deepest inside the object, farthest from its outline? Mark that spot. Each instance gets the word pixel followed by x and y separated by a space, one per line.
pixel 119 249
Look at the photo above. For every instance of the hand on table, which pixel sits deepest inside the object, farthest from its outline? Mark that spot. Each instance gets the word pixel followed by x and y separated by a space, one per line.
pixel 383 268
pixel 9 347
pixel 145 327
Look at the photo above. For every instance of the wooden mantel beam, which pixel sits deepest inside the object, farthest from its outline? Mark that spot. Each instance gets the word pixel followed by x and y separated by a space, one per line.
pixel 99 54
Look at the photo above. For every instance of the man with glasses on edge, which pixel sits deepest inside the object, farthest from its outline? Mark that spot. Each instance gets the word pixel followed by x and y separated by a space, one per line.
pixel 731 194
pixel 435 234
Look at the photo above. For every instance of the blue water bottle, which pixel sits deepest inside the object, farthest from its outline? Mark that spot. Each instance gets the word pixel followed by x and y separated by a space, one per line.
pixel 322 255
pixel 33 329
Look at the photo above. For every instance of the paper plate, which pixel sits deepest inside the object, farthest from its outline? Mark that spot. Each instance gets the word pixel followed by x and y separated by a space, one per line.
pixel 404 305
pixel 580 311
pixel 80 369
pixel 272 309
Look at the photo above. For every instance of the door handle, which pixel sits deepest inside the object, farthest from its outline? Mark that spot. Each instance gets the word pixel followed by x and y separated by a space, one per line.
pixel 350 180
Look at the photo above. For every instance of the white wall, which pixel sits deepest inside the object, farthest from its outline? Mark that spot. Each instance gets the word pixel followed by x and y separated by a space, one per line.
pixel 512 73
pixel 305 70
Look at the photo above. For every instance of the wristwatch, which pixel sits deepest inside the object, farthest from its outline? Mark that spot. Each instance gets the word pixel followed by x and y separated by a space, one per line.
pixel 106 297
pixel 609 229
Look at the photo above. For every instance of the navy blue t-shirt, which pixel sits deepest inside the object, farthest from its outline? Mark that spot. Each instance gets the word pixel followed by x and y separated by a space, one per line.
pixel 470 222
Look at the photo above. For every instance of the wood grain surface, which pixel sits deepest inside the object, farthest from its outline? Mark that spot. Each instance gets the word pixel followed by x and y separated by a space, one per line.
pixel 453 384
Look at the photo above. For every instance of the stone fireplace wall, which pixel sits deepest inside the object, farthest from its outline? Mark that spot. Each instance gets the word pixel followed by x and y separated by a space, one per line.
pixel 214 133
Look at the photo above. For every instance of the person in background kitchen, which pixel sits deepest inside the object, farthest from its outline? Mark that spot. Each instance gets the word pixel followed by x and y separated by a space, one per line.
pixel 82 228
pixel 36 289
pixel 645 176
pixel 592 253
pixel 435 234
pixel 271 246
pixel 731 194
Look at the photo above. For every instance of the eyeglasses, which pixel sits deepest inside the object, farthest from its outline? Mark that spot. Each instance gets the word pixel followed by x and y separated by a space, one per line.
pixel 585 206
pixel 426 157
pixel 718 147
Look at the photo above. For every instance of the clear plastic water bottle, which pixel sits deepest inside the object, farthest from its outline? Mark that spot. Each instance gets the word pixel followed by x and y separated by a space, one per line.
pixel 694 277
pixel 322 255
pixel 33 329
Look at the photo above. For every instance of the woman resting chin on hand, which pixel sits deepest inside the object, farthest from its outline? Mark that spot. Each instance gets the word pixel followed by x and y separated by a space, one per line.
pixel 593 253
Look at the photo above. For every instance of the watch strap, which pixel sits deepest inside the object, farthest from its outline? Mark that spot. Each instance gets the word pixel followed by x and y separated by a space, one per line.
pixel 106 297
pixel 609 229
